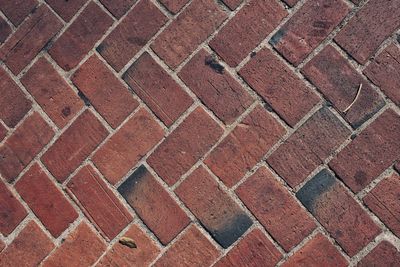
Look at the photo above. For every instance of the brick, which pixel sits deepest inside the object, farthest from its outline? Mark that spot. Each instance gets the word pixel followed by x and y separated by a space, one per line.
pixel 261 16
pixel 74 145
pixel 329 202
pixel 133 32
pixel 291 3
pixel 217 211
pixel 232 4
pixel 29 248
pixel 383 200
pixel 105 92
pixel 3 132
pixel 370 153
pixel 52 92
pixel 191 249
pixel 17 15
pixel 185 146
pixel 384 254
pixel 23 146
pixel 287 94
pixel 265 196
pixel 11 211
pixel 116 157
pixel 245 146
pixel 98 202
pixel 13 103
pixel 216 88
pixel 81 248
pixel 368 28
pixel 157 89
pixel 154 205
pixel 384 71
pixel 66 9
pixel 183 35
pixel 2 245
pixel 308 27
pixel 45 200
pixel 331 73
pixel 118 7
pixel 308 147
pixel 319 251
pixel 5 30
pixel 80 37
pixel 29 39
pixel 121 255
pixel 253 250
pixel 174 6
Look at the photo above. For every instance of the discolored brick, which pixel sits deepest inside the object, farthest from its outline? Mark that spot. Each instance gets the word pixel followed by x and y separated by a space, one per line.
pixel 17 10
pixel 5 30
pixel 384 254
pixel 291 3
pixel 118 7
pixel 174 5
pixel 232 4
pixel 66 9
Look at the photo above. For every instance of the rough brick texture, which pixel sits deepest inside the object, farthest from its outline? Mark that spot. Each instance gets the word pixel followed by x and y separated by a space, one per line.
pixel 66 9
pixel 384 254
pixel 118 7
pixel 14 14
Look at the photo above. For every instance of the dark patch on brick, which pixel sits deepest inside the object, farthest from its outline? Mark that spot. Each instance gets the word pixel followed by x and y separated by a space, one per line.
pixel 353 136
pixel 398 38
pixel 101 47
pixel 127 187
pixel 253 54
pixel 66 111
pixel 213 63
pixel 277 37
pixel 361 178
pixel 328 103
pixel 366 117
pixel 84 98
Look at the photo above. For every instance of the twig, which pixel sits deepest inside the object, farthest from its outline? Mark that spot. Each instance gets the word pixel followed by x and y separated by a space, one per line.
pixel 355 99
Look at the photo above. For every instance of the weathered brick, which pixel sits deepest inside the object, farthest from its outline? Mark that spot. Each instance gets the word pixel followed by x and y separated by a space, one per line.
pixel 339 82
pixel 232 4
pixel 13 103
pixel 247 29
pixel 17 10
pixel 185 146
pixel 74 145
pixel 5 30
pixel 190 29
pixel 134 31
pixel 157 89
pixel 215 87
pixel 11 211
pixel 384 254
pixel 216 210
pixel 253 250
pixel 287 94
pixel 31 37
pixel 375 149
pixel 245 146
pixel 308 27
pixel 23 145
pixel 52 92
pixel 80 37
pixel 154 205
pixel 174 5
pixel 291 3
pixel 2 245
pixel 45 200
pixel 329 202
pixel 369 27
pixel 116 157
pixel 319 251
pixel 308 147
pixel 66 9
pixel 191 249
pixel 118 7
pixel 104 91
pixel 3 132
pixel 265 196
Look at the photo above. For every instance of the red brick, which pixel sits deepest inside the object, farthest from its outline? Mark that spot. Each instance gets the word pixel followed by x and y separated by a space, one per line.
pixel 157 89
pixel 370 153
pixel 23 145
pixel 13 103
pixel 191 249
pixel 183 35
pixel 384 71
pixel 74 145
pixel 185 146
pixel 174 5
pixel 330 72
pixel 217 211
pixel 232 4
pixel 116 157
pixel 308 147
pixel 5 30
pixel 383 200
pixel 45 200
pixel 308 27
pixel 17 10
pixel 98 202
pixel 329 202
pixel 81 248
pixel 52 92
pixel 384 254
pixel 29 39
pixel 261 16
pixel 66 9
pixel 107 94
pixel 29 248
pixel 215 87
pixel 2 245
pixel 275 208
pixel 291 3
pixel 319 251
pixel 368 28
pixel 118 7
pixel 253 250
pixel 287 94
pixel 134 31
pixel 80 36
pixel 154 205
pixel 3 132
pixel 11 211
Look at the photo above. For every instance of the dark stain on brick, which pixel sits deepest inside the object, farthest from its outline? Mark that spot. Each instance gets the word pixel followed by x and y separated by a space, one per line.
pixel 101 48
pixel 361 178
pixel 277 37
pixel 253 54
pixel 84 98
pixel 66 111
pixel 127 187
pixel 213 63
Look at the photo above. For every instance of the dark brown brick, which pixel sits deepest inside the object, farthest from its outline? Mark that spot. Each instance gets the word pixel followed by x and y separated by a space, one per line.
pixel 17 10
pixel 5 30
pixel 174 5
pixel 291 3
pixel 66 9
pixel 384 254
pixel 118 7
